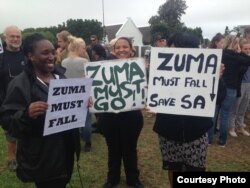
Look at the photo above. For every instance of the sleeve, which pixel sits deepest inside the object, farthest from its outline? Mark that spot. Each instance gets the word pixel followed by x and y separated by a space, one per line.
pixel 234 57
pixel 13 112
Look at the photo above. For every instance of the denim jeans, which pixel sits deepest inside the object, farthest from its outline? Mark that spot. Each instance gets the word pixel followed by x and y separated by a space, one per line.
pixel 225 112
pixel 212 129
pixel 87 130
pixel 240 107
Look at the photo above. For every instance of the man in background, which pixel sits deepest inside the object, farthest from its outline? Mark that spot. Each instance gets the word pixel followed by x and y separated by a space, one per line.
pixel 93 41
pixel 12 62
pixel 160 41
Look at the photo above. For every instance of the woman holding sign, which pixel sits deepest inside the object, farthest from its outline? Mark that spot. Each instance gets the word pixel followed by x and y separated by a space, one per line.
pixel 121 131
pixel 183 138
pixel 45 160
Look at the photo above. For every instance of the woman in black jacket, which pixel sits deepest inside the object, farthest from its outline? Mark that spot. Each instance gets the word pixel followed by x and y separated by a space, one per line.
pixel 45 160
pixel 121 132
pixel 183 138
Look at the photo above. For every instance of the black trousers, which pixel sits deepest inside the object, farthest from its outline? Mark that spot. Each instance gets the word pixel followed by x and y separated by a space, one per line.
pixel 58 183
pixel 121 138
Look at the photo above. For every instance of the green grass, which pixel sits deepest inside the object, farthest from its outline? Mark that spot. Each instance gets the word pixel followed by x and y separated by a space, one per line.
pixel 93 165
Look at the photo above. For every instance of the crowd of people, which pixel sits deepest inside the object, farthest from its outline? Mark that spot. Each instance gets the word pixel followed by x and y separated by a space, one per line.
pixel 27 69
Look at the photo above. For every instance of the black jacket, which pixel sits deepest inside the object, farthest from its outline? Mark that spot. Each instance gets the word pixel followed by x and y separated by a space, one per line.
pixel 181 128
pixel 39 157
pixel 3 85
pixel 236 65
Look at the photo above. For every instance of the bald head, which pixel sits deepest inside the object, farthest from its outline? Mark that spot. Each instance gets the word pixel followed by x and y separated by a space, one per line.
pixel 13 38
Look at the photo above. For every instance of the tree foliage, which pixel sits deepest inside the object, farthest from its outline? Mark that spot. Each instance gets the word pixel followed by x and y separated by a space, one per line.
pixel 172 10
pixel 84 28
pixel 235 30
pixel 227 31
pixel 168 20
pixel 77 27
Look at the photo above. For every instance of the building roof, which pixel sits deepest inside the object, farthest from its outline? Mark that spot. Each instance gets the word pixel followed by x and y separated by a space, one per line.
pixel 146 34
pixel 111 31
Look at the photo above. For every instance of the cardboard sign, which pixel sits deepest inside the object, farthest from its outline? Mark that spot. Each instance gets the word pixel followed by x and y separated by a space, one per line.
pixel 68 101
pixel 118 85
pixel 184 81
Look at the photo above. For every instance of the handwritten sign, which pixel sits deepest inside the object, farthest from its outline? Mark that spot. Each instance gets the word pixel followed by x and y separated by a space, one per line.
pixel 184 81
pixel 118 85
pixel 68 100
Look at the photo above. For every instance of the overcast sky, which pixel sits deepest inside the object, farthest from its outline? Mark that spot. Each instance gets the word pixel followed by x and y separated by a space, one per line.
pixel 211 15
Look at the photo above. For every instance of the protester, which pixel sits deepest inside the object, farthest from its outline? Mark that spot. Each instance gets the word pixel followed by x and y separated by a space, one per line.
pixel 233 61
pixel 160 41
pixel 217 43
pixel 45 160
pixel 183 138
pixel 110 47
pixel 93 41
pixel 121 131
pixel 98 53
pixel 74 65
pixel 240 106
pixel 12 62
pixel 62 42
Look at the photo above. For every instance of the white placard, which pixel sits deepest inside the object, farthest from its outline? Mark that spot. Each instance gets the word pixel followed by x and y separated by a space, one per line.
pixel 68 100
pixel 184 81
pixel 118 85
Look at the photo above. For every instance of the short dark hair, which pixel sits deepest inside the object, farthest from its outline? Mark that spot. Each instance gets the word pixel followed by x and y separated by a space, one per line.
pixel 215 39
pixel 184 40
pixel 94 36
pixel 158 37
pixel 100 50
pixel 30 42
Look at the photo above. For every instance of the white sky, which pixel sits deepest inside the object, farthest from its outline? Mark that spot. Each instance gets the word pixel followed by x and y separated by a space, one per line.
pixel 211 15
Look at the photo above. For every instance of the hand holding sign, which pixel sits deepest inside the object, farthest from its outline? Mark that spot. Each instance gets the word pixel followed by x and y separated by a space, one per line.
pixel 68 99
pixel 184 81
pixel 118 85
pixel 37 108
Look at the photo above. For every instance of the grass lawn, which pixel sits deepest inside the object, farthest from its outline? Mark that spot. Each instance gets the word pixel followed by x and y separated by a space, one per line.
pixel 93 165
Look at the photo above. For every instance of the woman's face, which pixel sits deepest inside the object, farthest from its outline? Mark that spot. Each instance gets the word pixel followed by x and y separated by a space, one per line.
pixel 43 57
pixel 246 49
pixel 62 43
pixel 219 44
pixel 122 49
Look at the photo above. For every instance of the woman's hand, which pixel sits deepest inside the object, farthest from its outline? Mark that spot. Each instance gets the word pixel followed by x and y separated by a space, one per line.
pixel 222 68
pixel 37 108
pixel 90 102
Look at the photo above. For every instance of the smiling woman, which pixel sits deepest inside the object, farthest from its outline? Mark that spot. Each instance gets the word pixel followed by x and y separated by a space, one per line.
pixel 121 131
pixel 45 160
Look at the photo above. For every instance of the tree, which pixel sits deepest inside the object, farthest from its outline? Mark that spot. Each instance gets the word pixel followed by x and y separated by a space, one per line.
pixel 172 10
pixel 168 20
pixel 227 31
pixel 77 27
pixel 236 29
pixel 50 36
pixel 84 29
